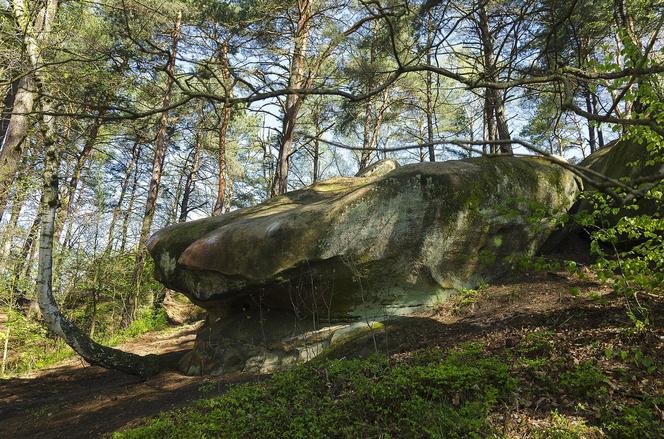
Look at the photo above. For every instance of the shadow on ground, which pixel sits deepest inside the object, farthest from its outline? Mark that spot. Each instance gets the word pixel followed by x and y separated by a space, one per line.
pixel 77 401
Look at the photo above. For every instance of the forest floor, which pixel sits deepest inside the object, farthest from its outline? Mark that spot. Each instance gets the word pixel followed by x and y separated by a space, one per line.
pixel 580 316
pixel 75 400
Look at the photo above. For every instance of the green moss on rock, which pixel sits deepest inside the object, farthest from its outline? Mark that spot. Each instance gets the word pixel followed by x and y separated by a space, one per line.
pixel 362 248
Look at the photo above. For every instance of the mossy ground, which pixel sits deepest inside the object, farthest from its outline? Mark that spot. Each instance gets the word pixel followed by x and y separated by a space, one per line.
pixel 551 355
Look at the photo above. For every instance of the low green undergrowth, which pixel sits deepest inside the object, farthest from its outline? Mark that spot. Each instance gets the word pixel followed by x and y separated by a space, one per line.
pixel 34 349
pixel 434 395
pixel 464 392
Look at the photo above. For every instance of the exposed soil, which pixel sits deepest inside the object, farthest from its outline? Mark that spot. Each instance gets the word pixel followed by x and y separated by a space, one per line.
pixel 76 400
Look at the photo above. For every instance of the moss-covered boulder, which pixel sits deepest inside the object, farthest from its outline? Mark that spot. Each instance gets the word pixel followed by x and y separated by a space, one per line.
pixel 621 159
pixel 627 161
pixel 354 249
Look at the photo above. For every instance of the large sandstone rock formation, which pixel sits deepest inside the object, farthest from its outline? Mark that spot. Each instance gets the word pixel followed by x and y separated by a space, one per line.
pixel 292 276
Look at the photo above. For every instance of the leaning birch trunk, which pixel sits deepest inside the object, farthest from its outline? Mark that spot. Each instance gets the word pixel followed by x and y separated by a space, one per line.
pixel 91 351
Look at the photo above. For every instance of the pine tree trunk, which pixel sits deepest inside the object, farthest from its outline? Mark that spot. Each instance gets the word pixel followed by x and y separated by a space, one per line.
pixel 173 212
pixel 489 124
pixel 189 183
pixel 365 156
pixel 34 33
pixel 296 80
pixel 429 92
pixel 160 141
pixel 219 203
pixel 495 120
pixel 157 169
pixel 12 145
pixel 135 154
pixel 316 152
pixel 127 212
pixel 67 205
pixel 228 199
pixel 600 134
pixel 221 161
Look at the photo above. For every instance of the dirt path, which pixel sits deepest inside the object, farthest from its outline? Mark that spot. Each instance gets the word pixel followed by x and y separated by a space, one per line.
pixel 75 400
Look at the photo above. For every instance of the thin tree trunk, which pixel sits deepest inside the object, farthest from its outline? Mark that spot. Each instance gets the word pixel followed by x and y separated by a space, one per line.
pixel 7 106
pixel 189 183
pixel 501 123
pixel 173 212
pixel 157 169
pixel 66 205
pixel 35 32
pixel 293 102
pixel 23 258
pixel 11 228
pixel 365 157
pixel 625 23
pixel 93 318
pixel 160 142
pixel 12 145
pixel 487 148
pixel 5 350
pixel 591 128
pixel 135 154
pixel 32 250
pixel 316 152
pixel 491 131
pixel 600 134
pixel 223 132
pixel 128 211
pixel 432 150
pixel 378 123
pixel 372 131
pixel 229 194
pixel 429 92
pixel 494 102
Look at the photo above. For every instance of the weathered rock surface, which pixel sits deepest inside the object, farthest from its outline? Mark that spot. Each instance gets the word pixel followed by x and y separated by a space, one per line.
pixel 180 310
pixel 279 279
pixel 620 159
pixel 627 161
